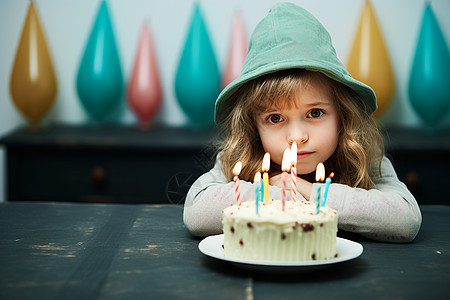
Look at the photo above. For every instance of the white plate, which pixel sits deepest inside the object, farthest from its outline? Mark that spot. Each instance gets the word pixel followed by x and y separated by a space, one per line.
pixel 346 250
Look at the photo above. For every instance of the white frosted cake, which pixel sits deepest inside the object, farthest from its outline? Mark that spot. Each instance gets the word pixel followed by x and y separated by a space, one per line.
pixel 296 234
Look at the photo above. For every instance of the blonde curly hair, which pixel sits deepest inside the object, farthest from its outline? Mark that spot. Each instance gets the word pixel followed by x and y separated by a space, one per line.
pixel 360 146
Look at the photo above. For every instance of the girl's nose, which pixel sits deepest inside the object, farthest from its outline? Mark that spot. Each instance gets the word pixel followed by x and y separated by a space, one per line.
pixel 298 135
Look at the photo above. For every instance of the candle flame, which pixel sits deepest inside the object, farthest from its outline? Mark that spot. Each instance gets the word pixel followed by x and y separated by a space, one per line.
pixel 237 168
pixel 286 163
pixel 294 154
pixel 266 162
pixel 320 172
pixel 257 177
pixel 331 175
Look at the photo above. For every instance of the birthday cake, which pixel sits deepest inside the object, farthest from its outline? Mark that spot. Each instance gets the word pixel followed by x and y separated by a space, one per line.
pixel 296 234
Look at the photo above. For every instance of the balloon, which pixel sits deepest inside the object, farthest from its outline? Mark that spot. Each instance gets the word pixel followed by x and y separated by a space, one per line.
pixel 197 82
pixel 144 88
pixel 33 83
pixel 369 59
pixel 237 51
pixel 99 80
pixel 429 83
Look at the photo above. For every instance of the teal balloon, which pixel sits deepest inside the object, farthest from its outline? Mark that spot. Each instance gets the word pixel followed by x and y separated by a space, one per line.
pixel 429 84
pixel 197 82
pixel 100 80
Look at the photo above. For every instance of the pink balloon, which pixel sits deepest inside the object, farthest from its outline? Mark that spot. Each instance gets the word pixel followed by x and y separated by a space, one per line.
pixel 144 88
pixel 236 52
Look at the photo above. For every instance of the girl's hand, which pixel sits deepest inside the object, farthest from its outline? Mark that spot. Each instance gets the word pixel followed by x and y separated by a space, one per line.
pixel 276 180
pixel 304 187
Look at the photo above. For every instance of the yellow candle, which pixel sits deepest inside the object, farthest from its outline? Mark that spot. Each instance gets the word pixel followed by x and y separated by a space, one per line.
pixel 265 169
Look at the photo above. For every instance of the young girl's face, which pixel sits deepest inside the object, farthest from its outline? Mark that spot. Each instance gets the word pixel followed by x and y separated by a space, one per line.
pixel 312 121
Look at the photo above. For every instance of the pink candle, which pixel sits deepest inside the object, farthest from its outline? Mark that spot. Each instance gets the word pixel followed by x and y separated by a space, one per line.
pixel 236 171
pixel 294 171
pixel 285 166
pixel 284 189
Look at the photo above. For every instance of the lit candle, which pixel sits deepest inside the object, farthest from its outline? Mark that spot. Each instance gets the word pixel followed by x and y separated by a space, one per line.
pixel 261 191
pixel 294 171
pixel 236 171
pixel 327 185
pixel 257 189
pixel 320 176
pixel 265 169
pixel 285 166
pixel 318 200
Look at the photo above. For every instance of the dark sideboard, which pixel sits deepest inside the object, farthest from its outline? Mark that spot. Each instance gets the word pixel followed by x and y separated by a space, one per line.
pixel 126 164
pixel 105 163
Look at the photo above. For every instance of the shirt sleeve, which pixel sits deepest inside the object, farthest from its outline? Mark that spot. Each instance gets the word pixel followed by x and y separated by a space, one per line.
pixel 388 212
pixel 209 195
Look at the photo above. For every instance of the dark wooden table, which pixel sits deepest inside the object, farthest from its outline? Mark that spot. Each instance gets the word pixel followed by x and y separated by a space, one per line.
pixel 119 251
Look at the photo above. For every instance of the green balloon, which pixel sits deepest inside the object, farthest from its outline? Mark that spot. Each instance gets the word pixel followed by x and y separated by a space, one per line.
pixel 197 82
pixel 100 80
pixel 429 83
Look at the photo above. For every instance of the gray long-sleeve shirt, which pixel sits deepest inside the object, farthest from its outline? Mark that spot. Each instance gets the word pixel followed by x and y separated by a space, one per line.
pixel 387 212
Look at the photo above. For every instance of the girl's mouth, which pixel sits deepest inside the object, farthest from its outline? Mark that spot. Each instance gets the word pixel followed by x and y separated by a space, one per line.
pixel 304 154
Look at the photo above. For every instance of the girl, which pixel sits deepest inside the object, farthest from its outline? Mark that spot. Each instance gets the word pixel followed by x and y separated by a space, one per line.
pixel 293 88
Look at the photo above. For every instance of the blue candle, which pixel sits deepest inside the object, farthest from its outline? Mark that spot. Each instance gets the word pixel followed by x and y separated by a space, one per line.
pixel 320 176
pixel 256 181
pixel 257 197
pixel 327 185
pixel 325 193
pixel 318 199
pixel 262 190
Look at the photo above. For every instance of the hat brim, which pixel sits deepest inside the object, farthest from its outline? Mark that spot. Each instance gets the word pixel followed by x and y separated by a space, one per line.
pixel 225 100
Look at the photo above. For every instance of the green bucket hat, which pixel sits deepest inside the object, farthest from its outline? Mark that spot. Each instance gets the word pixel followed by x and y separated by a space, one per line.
pixel 290 37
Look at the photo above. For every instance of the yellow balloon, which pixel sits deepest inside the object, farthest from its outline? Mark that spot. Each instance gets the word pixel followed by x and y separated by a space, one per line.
pixel 33 82
pixel 369 59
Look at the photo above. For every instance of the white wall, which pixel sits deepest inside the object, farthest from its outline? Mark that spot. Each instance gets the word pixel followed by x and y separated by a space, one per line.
pixel 67 25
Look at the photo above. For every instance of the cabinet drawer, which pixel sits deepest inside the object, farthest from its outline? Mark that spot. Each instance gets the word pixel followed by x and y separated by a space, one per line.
pixel 95 176
pixel 426 174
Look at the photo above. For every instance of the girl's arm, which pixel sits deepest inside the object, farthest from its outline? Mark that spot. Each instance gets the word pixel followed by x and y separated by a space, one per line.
pixel 209 195
pixel 388 212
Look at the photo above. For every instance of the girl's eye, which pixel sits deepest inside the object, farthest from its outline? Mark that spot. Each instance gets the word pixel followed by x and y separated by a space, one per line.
pixel 274 119
pixel 315 113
